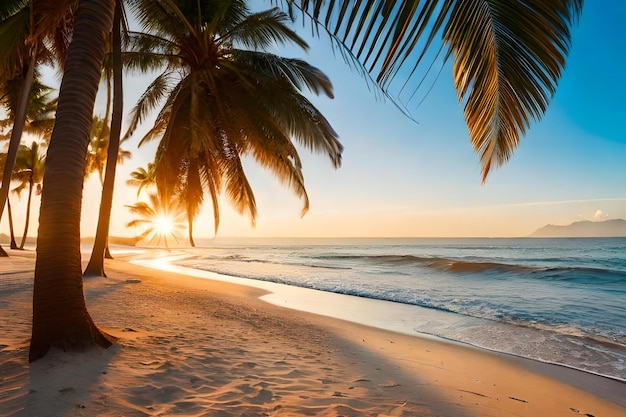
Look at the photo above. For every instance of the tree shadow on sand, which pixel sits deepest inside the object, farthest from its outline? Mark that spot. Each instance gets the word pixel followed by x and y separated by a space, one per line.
pixel 62 382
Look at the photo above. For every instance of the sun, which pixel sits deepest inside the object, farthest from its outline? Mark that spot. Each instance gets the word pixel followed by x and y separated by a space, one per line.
pixel 164 225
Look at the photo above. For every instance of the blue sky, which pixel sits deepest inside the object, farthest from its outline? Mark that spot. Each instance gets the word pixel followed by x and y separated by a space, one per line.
pixel 402 178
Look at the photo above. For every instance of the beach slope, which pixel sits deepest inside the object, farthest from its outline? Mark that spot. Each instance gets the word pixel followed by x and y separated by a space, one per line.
pixel 196 347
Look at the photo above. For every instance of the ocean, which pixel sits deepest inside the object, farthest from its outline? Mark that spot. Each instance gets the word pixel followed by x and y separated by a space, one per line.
pixel 560 301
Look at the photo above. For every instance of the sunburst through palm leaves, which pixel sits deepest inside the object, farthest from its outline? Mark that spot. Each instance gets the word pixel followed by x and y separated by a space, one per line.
pixel 161 218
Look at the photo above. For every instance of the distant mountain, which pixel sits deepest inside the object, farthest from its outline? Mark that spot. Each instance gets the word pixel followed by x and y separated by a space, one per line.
pixel 607 228
pixel 114 240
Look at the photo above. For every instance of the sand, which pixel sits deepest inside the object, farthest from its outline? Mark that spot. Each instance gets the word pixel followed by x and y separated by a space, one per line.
pixel 197 347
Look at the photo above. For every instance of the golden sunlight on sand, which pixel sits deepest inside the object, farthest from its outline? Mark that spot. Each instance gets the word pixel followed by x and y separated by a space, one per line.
pixel 195 347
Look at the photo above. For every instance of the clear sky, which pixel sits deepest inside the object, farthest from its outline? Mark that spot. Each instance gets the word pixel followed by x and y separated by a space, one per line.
pixel 401 178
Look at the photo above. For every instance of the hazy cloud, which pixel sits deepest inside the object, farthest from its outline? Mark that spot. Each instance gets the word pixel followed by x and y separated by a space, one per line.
pixel 599 215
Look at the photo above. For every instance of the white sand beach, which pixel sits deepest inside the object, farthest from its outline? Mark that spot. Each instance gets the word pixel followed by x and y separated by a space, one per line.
pixel 196 347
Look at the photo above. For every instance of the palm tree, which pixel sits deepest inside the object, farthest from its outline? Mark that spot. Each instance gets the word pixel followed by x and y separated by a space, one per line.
pixel 526 42
pixel 39 111
pixel 228 103
pixel 12 244
pixel 33 32
pixel 97 148
pixel 39 119
pixel 29 169
pixel 142 177
pixel 100 250
pixel 97 156
pixel 60 317
pixel 160 217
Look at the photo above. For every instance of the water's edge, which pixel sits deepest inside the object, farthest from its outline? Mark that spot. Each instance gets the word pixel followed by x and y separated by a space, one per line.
pixel 401 318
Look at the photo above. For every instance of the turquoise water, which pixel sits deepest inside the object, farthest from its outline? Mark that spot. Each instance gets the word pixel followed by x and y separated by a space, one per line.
pixel 556 300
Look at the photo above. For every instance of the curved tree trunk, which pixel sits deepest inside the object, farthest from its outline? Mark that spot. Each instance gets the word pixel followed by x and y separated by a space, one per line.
pixel 106 123
pixel 96 262
pixel 107 253
pixel 190 227
pixel 11 231
pixel 30 197
pixel 60 317
pixel 16 133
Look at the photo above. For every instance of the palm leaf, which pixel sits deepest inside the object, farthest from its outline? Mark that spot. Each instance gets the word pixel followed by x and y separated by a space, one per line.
pixel 508 55
pixel 259 31
pixel 149 100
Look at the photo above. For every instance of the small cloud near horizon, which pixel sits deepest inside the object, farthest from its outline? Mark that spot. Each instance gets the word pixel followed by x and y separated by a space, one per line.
pixel 599 215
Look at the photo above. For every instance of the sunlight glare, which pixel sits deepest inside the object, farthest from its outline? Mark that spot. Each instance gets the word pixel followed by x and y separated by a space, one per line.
pixel 164 225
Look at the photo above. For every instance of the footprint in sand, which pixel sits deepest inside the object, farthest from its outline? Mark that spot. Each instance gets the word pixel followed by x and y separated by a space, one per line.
pixel 264 396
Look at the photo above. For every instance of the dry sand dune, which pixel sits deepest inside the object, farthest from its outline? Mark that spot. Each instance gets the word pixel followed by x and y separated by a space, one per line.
pixel 193 347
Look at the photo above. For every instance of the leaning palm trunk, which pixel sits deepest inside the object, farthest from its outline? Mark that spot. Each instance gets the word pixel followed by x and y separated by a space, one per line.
pixel 190 228
pixel 106 124
pixel 60 317
pixel 11 231
pixel 100 248
pixel 30 197
pixel 16 134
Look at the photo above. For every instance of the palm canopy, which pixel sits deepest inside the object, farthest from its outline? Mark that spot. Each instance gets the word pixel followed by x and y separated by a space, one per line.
pixel 507 55
pixel 29 167
pixel 41 26
pixel 97 151
pixel 40 108
pixel 225 98
pixel 142 177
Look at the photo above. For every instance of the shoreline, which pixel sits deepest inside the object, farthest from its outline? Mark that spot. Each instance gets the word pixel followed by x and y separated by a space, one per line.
pixel 381 314
pixel 194 346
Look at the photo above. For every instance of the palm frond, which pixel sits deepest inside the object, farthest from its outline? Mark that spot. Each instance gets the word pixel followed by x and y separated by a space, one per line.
pixel 508 57
pixel 300 73
pixel 149 100
pixel 275 100
pixel 211 180
pixel 13 52
pixel 161 17
pixel 259 31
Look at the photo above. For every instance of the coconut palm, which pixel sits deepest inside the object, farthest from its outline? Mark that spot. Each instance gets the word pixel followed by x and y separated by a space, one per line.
pixel 142 177
pixel 39 119
pixel 29 170
pixel 228 102
pixel 32 32
pixel 508 57
pixel 13 243
pixel 162 219
pixel 98 148
pixel 100 250
pixel 39 111
pixel 97 156
pixel 60 317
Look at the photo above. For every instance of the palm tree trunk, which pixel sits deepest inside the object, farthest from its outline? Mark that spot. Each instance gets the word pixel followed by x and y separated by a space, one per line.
pixel 30 196
pixel 95 266
pixel 16 133
pixel 190 227
pixel 60 316
pixel 11 231
pixel 107 253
